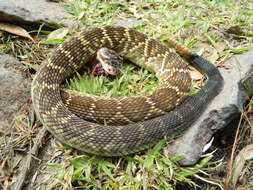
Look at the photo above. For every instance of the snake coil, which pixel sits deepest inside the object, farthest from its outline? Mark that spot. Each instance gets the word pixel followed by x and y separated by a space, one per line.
pixel 115 140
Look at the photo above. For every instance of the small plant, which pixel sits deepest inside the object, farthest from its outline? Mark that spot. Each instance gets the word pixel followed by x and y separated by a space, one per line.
pixel 132 81
pixel 141 171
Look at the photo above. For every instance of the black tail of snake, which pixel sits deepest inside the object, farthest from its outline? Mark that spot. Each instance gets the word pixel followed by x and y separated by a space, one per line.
pixel 111 140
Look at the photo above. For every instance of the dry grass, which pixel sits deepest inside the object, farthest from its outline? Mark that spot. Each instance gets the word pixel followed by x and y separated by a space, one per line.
pixel 221 28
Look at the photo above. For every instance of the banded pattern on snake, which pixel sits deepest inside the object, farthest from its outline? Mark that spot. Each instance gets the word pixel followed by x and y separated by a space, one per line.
pixel 95 138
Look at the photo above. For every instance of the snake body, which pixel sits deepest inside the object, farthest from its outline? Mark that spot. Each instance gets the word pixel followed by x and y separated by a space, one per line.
pixel 111 140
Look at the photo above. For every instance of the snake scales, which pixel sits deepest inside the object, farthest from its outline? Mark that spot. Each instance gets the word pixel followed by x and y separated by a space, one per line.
pixel 111 140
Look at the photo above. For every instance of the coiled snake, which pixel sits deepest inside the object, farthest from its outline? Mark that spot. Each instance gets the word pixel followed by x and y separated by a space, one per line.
pixel 154 109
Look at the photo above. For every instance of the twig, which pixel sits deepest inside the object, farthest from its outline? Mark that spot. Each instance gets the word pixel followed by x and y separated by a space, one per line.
pixel 29 158
pixel 230 164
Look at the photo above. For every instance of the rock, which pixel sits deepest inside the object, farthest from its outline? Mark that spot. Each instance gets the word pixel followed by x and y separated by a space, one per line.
pixel 228 105
pixel 34 12
pixel 15 90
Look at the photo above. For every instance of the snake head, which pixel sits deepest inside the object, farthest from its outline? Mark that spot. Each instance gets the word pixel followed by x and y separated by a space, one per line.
pixel 110 61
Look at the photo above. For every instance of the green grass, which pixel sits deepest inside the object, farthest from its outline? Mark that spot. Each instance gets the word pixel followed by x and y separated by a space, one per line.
pixel 149 171
pixel 132 81
pixel 189 22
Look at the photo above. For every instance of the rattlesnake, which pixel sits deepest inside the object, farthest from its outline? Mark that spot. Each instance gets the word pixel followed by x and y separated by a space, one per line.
pixel 115 140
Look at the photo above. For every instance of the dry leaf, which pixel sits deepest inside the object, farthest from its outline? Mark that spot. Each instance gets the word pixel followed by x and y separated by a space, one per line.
pixel 237 30
pixel 58 34
pixel 250 109
pixel 221 46
pixel 17 30
pixel 196 77
pixel 208 52
pixel 134 11
pixel 81 15
pixel 245 154
pixel 222 64
pixel 195 74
